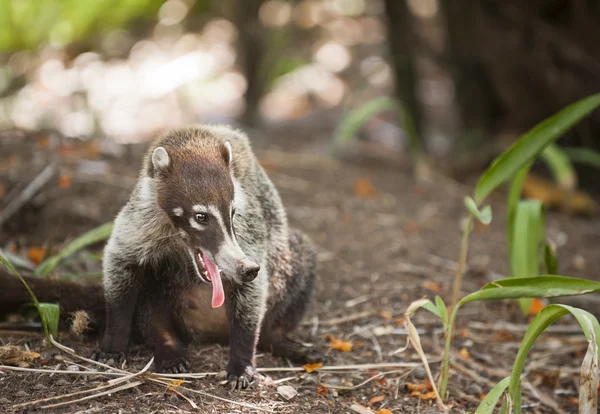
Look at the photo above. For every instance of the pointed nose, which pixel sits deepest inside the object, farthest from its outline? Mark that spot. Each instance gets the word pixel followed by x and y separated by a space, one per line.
pixel 248 270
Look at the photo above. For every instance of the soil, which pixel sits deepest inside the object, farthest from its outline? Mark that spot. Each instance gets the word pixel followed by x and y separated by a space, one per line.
pixel 384 240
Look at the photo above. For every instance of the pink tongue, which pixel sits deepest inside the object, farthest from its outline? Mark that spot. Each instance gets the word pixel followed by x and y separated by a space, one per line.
pixel 218 296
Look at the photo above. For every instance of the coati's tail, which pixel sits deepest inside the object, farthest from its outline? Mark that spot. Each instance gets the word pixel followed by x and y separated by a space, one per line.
pixel 71 296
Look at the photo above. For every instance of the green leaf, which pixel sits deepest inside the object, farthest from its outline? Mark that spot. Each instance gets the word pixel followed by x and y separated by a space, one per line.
pixel 514 196
pixel 550 259
pixel 491 399
pixel 351 123
pixel 484 215
pixel 584 156
pixel 545 286
pixel 543 319
pixel 531 144
pixel 528 236
pixel 50 312
pixel 559 164
pixel 443 311
pixel 93 236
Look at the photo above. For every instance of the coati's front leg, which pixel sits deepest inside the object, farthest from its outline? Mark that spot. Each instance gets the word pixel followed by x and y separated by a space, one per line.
pixel 245 314
pixel 121 291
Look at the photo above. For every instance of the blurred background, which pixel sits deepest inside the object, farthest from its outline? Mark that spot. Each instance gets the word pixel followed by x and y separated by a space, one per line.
pixel 454 82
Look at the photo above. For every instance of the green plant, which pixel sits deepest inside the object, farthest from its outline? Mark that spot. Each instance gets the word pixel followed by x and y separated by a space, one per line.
pixel 93 236
pixel 49 312
pixel 357 117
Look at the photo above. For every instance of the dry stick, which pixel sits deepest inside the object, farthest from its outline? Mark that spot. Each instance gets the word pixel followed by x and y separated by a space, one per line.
pixel 60 397
pixel 55 371
pixel 28 193
pixel 91 361
pixel 136 374
pixel 374 377
pixel 254 407
pixel 89 397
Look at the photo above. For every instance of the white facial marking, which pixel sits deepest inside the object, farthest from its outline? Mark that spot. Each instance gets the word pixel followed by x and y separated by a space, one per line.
pixel 239 197
pixel 195 224
pixel 199 208
pixel 230 153
pixel 178 211
pixel 160 158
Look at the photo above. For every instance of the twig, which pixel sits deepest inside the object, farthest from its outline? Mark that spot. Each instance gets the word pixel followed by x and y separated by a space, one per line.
pixel 374 377
pixel 91 361
pixel 49 371
pixel 60 397
pixel 89 397
pixel 251 406
pixel 136 374
pixel 28 193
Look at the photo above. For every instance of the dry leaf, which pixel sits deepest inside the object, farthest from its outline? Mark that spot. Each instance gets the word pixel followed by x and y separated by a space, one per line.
pixel 64 181
pixel 411 227
pixel 312 367
pixel 431 286
pixel 399 321
pixel 13 355
pixel 417 387
pixel 384 411
pixel 574 401
pixel 322 390
pixel 552 196
pixel 464 354
pixel 464 333
pixel 37 254
pixel 364 188
pixel 536 306
pixel 428 396
pixel 376 399
pixel 174 384
pixel 339 345
pixel 360 409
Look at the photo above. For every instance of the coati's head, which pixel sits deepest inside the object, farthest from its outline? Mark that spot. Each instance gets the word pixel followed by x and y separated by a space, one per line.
pixel 195 187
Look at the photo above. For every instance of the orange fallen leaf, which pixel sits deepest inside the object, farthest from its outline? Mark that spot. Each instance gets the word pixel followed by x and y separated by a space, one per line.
pixel 416 388
pixel 364 188
pixel 312 367
pixel 399 321
pixel 384 411
pixel 482 396
pixel 431 286
pixel 464 333
pixel 322 390
pixel 339 345
pixel 376 399
pixel 12 247
pixel 464 353
pixel 574 400
pixel 427 396
pixel 536 306
pixel 174 384
pixel 37 254
pixel 64 181
pixel 555 197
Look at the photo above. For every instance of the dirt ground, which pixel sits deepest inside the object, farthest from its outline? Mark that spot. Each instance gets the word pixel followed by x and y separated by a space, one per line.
pixel 384 241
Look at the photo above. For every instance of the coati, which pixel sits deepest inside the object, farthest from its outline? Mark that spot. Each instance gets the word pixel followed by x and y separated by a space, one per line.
pixel 203 247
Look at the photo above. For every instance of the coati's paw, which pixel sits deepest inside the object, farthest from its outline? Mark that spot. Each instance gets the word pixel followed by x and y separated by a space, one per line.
pixel 111 358
pixel 240 377
pixel 174 366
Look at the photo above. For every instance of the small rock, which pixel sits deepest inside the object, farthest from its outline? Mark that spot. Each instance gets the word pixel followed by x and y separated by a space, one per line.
pixel 579 262
pixel 287 392
pixel 222 375
pixel 21 394
pixel 420 373
pixel 39 386
pixel 474 389
pixel 62 382
pixel 73 368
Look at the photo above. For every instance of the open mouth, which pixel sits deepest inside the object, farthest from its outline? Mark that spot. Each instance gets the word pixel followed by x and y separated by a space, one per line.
pixel 201 264
pixel 209 272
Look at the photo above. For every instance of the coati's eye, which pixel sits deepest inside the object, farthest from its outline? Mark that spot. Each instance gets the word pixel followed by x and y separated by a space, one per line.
pixel 201 218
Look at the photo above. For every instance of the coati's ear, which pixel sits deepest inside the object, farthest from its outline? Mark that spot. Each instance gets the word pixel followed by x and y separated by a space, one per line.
pixel 160 159
pixel 227 154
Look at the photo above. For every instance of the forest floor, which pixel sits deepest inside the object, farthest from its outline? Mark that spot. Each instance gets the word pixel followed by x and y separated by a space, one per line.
pixel 384 240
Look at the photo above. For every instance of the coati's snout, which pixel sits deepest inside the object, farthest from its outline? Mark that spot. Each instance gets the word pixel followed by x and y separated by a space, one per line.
pixel 198 196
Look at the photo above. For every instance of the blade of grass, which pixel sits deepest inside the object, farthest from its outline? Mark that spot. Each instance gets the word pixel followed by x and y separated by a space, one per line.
pixel 515 288
pixel 93 236
pixel 8 265
pixel 560 166
pixel 584 156
pixel 514 196
pixel 531 144
pixel 543 319
pixel 491 399
pixel 50 312
pixel 528 236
